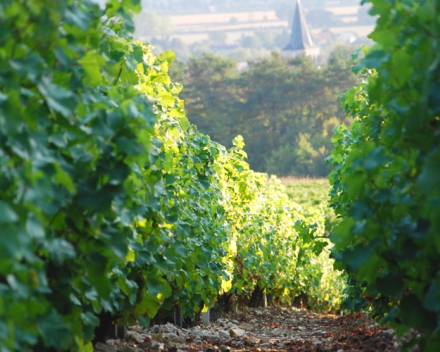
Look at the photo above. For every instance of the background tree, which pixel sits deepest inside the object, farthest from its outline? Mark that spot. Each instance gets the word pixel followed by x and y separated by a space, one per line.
pixel 209 93
pixel 284 108
pixel 218 37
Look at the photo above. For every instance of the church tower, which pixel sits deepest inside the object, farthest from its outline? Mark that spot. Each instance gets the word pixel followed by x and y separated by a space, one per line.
pixel 300 39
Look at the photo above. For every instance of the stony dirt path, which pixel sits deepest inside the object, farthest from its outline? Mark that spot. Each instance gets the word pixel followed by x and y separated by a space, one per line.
pixel 262 329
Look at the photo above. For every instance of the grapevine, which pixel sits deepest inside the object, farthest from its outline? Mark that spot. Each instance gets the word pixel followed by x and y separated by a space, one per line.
pixel 112 205
pixel 385 173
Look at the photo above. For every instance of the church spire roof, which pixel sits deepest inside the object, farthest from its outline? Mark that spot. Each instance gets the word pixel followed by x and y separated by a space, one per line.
pixel 300 38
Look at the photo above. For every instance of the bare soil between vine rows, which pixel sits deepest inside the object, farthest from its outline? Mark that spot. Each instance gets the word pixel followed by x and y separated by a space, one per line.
pixel 263 329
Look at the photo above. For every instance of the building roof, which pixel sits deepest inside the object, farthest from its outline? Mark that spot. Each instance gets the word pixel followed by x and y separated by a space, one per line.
pixel 300 38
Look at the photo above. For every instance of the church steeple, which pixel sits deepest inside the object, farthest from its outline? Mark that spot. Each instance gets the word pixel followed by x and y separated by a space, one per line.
pixel 300 39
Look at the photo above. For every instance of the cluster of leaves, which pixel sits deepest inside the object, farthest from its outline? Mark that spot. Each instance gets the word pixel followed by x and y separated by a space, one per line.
pixel 105 192
pixel 111 204
pixel 69 133
pixel 327 291
pixel 385 171
pixel 312 194
pixel 275 241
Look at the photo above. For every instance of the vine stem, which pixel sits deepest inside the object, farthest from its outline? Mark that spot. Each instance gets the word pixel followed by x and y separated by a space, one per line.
pixel 117 77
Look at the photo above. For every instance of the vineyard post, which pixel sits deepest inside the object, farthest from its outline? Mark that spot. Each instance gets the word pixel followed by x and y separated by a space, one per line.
pixel 120 331
pixel 178 320
pixel 206 317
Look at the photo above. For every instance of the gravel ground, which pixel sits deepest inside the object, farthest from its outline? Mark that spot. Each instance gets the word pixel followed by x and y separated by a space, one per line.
pixel 262 329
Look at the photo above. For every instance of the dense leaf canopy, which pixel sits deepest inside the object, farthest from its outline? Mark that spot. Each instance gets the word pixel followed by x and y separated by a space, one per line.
pixel 385 171
pixel 112 205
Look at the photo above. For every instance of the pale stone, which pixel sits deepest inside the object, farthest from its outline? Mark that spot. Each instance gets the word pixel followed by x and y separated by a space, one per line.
pixel 278 331
pixel 236 332
pixel 223 333
pixel 246 326
pixel 112 342
pixel 130 349
pixel 168 328
pixel 102 347
pixel 253 340
pixel 157 346
pixel 173 337
pixel 135 337
pixel 316 341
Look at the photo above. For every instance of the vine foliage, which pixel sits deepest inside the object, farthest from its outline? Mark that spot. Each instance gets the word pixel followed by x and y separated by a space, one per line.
pixel 385 171
pixel 112 205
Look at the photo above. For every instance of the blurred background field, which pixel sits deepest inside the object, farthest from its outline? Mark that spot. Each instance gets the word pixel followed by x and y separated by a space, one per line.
pixel 311 193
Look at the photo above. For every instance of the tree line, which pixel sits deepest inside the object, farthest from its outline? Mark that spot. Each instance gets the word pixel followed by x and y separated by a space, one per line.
pixel 285 109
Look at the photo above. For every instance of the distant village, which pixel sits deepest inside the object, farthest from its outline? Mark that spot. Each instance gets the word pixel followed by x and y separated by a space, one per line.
pixel 256 32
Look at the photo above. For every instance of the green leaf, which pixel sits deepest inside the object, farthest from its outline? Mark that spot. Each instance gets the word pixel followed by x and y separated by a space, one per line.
pixel 374 58
pixel 34 228
pixel 98 275
pixel 390 285
pixel 318 247
pixel 184 123
pixel 159 188
pixel 53 330
pixel 31 66
pixel 129 288
pixel 3 98
pixel 415 315
pixel 76 17
pixel 130 147
pixel 356 182
pixel 238 142
pixel 429 180
pixel 138 54
pixel 168 55
pixel 91 63
pixel 90 319
pixel 431 301
pixel 149 305
pixel 84 347
pixel 7 214
pixel 341 234
pixel 60 250
pixel 158 286
pixel 63 178
pixel 358 256
pixel 144 321
pixel 58 98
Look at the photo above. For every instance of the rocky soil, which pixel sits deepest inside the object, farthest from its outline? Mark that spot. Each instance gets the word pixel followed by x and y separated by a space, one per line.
pixel 262 329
